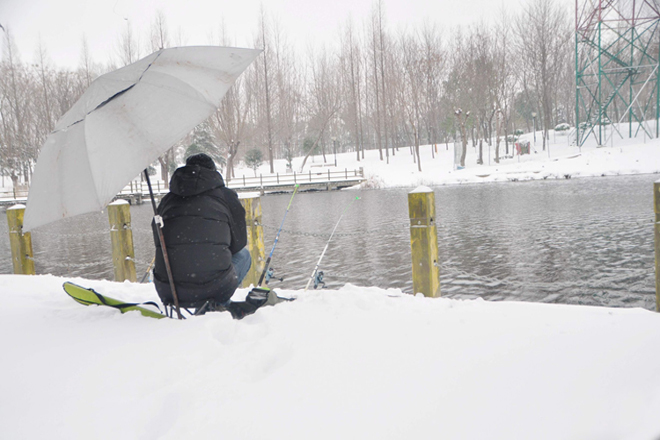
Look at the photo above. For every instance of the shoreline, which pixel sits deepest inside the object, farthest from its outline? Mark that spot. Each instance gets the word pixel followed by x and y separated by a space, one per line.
pixel 482 182
pixel 569 163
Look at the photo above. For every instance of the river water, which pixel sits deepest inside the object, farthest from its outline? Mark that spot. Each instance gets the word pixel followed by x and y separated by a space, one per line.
pixel 579 241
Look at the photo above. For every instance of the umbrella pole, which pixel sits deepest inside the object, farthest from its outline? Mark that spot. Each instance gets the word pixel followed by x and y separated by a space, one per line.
pixel 159 223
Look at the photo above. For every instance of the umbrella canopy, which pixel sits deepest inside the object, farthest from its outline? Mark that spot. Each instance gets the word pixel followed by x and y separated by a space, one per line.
pixel 123 122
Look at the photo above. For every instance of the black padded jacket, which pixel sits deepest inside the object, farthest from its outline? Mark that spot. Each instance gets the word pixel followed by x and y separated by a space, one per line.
pixel 204 225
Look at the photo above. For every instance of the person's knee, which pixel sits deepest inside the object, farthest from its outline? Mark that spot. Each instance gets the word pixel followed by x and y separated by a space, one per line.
pixel 242 261
pixel 246 255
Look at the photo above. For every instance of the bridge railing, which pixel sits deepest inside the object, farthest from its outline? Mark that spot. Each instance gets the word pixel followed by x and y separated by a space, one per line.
pixel 134 187
pixel 14 193
pixel 267 180
pixel 311 176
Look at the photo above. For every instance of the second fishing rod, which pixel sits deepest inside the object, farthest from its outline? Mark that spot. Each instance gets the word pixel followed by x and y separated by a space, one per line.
pixel 277 237
pixel 318 263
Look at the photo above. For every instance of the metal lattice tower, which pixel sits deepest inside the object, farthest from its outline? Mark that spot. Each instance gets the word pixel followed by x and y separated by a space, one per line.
pixel 617 73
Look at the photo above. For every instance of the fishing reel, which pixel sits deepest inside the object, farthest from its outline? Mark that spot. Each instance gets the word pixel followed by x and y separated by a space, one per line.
pixel 318 280
pixel 271 274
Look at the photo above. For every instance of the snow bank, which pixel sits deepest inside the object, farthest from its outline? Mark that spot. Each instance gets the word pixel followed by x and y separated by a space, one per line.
pixel 353 363
pixel 563 161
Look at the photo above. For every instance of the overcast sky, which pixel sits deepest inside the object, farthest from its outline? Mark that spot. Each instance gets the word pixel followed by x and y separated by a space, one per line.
pixel 61 23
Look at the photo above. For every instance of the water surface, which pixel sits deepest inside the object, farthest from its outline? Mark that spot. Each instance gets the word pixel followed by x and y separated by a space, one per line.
pixel 579 241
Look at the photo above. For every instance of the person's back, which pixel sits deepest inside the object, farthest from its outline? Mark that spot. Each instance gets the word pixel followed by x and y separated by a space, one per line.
pixel 204 226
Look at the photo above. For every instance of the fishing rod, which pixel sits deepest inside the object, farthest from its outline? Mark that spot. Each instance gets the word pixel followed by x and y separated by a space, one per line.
pixel 146 274
pixel 277 237
pixel 311 278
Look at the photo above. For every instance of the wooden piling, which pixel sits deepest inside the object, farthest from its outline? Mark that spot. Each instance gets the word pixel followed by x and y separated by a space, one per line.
pixel 656 204
pixel 121 235
pixel 424 242
pixel 20 242
pixel 255 234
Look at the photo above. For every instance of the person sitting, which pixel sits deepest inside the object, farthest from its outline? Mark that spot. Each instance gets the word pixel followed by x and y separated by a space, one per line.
pixel 205 234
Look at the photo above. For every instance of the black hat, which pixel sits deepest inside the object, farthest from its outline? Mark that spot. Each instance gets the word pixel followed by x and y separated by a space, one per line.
pixel 201 159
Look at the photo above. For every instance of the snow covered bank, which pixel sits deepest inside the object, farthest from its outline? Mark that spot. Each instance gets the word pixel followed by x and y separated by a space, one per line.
pixel 353 363
pixel 630 156
pixel 565 163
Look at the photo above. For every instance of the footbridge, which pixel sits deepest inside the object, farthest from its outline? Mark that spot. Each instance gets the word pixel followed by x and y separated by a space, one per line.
pixel 313 180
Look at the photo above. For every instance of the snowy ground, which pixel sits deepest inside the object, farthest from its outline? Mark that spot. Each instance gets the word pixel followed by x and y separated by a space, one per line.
pixel 353 363
pixel 629 156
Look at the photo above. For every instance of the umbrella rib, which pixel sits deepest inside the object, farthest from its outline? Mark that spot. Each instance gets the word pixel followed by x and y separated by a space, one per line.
pixel 116 95
pixel 121 92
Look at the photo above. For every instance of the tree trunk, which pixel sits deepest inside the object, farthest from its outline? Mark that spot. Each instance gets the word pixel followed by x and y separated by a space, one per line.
pixel 464 141
pixel 164 169
pixel 419 160
pixel 384 96
pixel 480 159
pixel 233 149
pixel 356 108
pixel 497 138
pixel 269 124
pixel 230 168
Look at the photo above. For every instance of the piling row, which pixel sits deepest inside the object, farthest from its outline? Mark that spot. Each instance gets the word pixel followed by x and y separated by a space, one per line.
pixel 423 241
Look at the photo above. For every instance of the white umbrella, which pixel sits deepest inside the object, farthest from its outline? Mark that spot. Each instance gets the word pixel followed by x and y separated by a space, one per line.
pixel 123 122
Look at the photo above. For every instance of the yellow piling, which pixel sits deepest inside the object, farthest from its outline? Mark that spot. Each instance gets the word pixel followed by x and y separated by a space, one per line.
pixel 121 235
pixel 424 242
pixel 20 242
pixel 656 203
pixel 255 234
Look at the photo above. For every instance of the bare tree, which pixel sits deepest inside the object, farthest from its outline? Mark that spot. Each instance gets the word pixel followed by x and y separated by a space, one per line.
pixel 45 115
pixel 159 36
pixel 458 88
pixel 324 101
pixel 13 110
pixel 264 37
pixel 383 49
pixel 414 80
pixel 506 81
pixel 351 65
pixel 231 119
pixel 289 84
pixel 433 64
pixel 86 64
pixel 482 76
pixel 128 47
pixel 543 36
pixel 375 81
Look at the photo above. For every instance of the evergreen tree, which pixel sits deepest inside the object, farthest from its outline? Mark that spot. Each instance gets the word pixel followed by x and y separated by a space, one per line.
pixel 204 142
pixel 253 159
